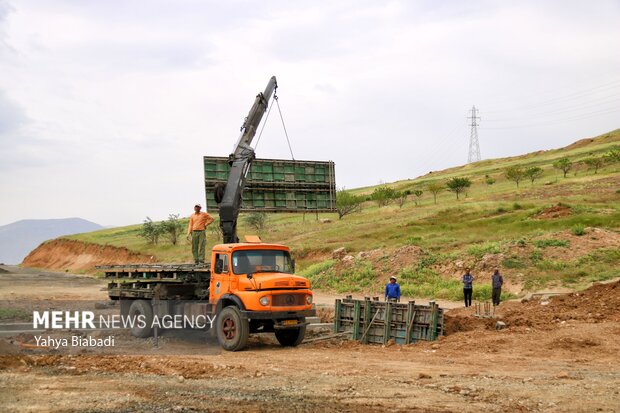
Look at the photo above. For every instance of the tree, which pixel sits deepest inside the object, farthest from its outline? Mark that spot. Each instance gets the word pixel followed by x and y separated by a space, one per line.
pixel 172 228
pixel 458 185
pixel 347 203
pixel 401 197
pixel 613 156
pixel 435 188
pixel 533 173
pixel 256 220
pixel 151 231
pixel 563 164
pixel 595 162
pixel 418 194
pixel 383 195
pixel 515 174
pixel 489 181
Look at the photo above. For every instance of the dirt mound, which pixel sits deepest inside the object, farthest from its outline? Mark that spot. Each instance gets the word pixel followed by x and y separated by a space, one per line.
pixel 599 303
pixel 3 271
pixel 64 254
pixel 556 211
pixel 456 323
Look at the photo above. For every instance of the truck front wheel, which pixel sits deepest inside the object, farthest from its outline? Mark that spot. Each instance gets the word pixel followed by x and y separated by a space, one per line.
pixel 232 329
pixel 291 337
pixel 141 314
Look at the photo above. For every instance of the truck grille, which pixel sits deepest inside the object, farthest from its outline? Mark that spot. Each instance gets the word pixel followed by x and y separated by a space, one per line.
pixel 288 300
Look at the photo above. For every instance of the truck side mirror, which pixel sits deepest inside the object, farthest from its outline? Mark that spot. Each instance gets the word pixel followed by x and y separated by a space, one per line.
pixel 219 264
pixel 293 265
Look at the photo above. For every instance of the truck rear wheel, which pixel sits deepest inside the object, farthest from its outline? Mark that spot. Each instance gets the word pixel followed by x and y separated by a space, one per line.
pixel 141 313
pixel 232 330
pixel 291 337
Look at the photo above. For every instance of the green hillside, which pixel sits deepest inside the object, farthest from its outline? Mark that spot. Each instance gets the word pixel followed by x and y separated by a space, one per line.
pixel 555 232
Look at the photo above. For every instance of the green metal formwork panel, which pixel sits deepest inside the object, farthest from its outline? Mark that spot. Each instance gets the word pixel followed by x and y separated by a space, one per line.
pixel 278 185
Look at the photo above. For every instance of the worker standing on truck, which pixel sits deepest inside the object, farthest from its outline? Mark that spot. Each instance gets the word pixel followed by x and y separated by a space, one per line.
pixel 392 290
pixel 196 228
pixel 497 281
pixel 468 286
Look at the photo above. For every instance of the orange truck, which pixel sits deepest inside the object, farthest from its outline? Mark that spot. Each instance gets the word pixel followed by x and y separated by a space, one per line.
pixel 248 288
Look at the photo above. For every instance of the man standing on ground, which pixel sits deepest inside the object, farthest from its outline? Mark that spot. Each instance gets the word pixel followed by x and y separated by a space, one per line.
pixel 497 281
pixel 468 287
pixel 392 290
pixel 196 228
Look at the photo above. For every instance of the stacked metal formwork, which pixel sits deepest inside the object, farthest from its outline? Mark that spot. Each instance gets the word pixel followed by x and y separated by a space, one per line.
pixel 278 185
pixel 165 281
pixel 373 321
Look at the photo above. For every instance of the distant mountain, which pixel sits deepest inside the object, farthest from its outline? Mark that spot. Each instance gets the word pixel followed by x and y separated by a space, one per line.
pixel 21 237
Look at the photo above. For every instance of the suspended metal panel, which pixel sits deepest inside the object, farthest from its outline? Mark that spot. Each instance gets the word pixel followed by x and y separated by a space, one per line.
pixel 276 185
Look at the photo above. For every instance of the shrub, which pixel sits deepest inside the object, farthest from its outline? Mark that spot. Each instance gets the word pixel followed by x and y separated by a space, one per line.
pixel 481 249
pixel 256 220
pixel 550 242
pixel 516 206
pixel 536 256
pixel 172 228
pixel 151 231
pixel 383 195
pixel 578 229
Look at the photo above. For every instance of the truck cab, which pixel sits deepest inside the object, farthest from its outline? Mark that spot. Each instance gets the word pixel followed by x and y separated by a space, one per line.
pixel 254 289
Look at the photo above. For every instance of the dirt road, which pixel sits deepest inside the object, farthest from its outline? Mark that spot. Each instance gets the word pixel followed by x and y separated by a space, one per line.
pixel 556 356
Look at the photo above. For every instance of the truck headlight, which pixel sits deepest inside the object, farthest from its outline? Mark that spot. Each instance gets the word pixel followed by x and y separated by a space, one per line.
pixel 264 301
pixel 309 299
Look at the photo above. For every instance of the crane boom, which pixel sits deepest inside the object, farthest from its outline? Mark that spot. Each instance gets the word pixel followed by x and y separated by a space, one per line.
pixel 229 196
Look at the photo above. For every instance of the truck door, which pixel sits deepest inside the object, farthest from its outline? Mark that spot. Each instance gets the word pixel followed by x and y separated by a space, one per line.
pixel 220 279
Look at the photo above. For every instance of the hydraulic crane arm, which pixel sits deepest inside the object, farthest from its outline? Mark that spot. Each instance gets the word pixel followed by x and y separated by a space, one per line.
pixel 229 196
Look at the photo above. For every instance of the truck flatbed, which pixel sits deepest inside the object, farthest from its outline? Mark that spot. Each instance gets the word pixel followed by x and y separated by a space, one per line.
pixel 162 281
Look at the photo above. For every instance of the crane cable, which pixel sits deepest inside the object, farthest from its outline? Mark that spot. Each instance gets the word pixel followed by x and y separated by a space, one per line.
pixel 275 97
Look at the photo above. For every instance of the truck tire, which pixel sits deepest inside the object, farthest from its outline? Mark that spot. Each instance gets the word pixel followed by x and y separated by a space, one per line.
pixel 291 337
pixel 125 304
pixel 143 309
pixel 232 330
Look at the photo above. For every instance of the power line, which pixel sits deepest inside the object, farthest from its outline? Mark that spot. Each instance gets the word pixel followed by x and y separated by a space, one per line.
pixel 556 121
pixel 607 100
pixel 562 98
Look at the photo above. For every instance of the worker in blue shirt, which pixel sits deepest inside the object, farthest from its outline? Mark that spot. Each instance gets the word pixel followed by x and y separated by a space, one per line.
pixel 392 290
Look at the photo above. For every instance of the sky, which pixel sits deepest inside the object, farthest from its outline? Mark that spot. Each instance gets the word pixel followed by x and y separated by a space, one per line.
pixel 107 107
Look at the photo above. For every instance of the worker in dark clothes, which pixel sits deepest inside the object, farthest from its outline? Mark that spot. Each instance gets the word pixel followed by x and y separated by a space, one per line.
pixel 392 290
pixel 497 281
pixel 468 286
pixel 196 232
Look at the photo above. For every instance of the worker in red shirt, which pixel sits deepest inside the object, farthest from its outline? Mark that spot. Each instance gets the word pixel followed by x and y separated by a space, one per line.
pixel 196 228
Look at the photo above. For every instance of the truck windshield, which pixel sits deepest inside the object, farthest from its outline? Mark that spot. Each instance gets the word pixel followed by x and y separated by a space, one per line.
pixel 253 261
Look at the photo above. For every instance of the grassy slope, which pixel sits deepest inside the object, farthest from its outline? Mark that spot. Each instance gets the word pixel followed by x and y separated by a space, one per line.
pixel 491 219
